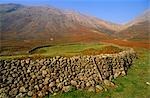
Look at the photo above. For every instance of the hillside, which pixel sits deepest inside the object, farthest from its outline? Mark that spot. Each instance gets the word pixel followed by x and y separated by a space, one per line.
pixel 25 27
pixel 137 28
pixel 36 22
pixel 19 22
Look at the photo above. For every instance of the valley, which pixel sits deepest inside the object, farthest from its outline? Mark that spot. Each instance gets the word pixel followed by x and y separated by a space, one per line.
pixel 41 41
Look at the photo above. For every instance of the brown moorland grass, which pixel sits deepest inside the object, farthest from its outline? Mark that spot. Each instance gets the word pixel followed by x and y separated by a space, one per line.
pixel 103 50
pixel 126 43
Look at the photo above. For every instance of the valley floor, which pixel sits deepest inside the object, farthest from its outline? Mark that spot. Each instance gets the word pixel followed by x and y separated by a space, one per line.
pixel 66 50
pixel 22 47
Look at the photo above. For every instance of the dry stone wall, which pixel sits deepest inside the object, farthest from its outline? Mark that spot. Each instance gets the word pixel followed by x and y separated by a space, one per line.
pixel 39 77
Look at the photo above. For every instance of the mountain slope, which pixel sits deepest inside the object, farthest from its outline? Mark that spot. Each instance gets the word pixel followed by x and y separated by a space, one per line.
pixel 139 28
pixel 35 22
pixel 25 27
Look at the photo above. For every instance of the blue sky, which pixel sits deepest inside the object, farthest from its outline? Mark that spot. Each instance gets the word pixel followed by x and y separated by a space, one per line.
pixel 117 11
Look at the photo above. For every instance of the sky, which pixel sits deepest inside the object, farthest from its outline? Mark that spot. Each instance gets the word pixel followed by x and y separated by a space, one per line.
pixel 117 11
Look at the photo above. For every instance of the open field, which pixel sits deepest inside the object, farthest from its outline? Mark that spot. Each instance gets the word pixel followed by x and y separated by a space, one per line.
pixel 22 47
pixel 72 49
pixel 77 49
pixel 67 50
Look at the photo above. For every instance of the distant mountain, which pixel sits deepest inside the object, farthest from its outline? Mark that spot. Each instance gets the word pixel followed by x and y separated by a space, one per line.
pixel 19 22
pixel 139 28
pixel 36 22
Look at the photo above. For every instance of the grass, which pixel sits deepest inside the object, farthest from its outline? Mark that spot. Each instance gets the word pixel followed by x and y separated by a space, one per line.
pixel 103 50
pixel 71 49
pixel 131 86
pixel 67 50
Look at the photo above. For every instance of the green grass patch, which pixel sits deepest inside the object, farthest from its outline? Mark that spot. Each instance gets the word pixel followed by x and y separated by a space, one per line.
pixel 66 50
pixel 55 50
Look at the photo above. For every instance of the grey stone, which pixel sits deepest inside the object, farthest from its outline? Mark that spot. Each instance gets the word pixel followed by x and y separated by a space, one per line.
pixel 52 84
pixel 82 85
pixel 41 85
pixel 36 87
pixel 60 85
pixel 40 94
pixel 14 91
pixel 67 88
pixel 99 88
pixel 46 80
pixel 33 76
pixel 22 89
pixel 44 72
pixel 88 84
pixel 30 93
pixel 117 73
pixel 3 95
pixel 91 89
pixel 10 79
pixel 27 61
pixel 20 95
pixel 74 83
pixel 28 71
pixel 57 80
pixel 43 67
pixel 108 83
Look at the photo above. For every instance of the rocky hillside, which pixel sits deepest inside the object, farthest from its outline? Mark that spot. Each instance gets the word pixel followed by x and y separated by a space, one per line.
pixel 36 22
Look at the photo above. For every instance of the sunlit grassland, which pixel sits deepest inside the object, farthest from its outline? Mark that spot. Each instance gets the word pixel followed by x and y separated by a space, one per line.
pixel 62 50
pixel 55 50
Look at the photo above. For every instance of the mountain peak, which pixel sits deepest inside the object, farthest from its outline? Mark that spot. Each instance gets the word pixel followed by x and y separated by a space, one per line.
pixel 4 8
